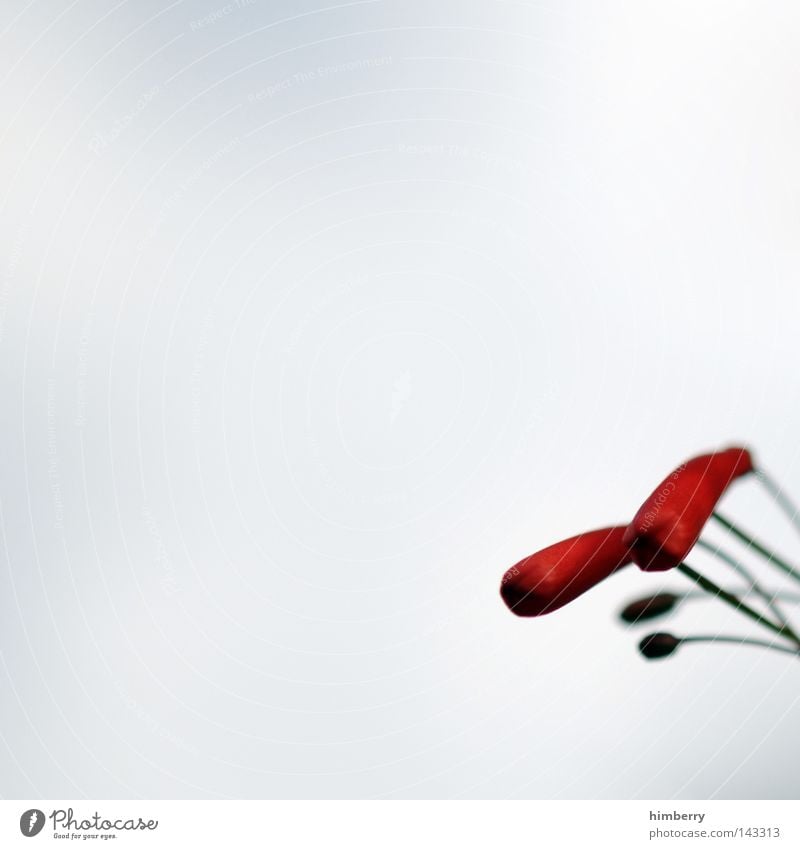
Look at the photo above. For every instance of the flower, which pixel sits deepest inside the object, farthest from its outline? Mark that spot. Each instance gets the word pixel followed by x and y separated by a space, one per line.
pixel 650 607
pixel 658 645
pixel 670 521
pixel 556 575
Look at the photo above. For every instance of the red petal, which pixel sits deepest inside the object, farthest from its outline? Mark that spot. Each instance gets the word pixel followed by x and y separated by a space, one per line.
pixel 671 520
pixel 556 575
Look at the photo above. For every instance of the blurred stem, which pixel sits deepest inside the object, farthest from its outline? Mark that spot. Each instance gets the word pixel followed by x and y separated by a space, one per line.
pixel 710 587
pixel 741 641
pixel 781 498
pixel 751 579
pixel 757 546
pixel 790 598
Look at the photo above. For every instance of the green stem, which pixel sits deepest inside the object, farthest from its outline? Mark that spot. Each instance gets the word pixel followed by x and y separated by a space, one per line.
pixel 781 498
pixel 757 546
pixel 741 641
pixel 751 579
pixel 710 587
pixel 790 598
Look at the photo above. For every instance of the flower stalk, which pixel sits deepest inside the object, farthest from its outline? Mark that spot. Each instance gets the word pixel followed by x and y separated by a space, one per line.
pixel 751 542
pixel 768 598
pixel 780 497
pixel 734 601
pixel 661 644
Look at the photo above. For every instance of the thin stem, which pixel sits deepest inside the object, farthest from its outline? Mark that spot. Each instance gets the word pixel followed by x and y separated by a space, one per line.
pixel 781 498
pixel 757 546
pixel 741 641
pixel 751 579
pixel 710 587
pixel 791 598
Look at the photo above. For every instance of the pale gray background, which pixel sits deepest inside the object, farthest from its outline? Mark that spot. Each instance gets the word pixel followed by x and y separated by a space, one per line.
pixel 313 319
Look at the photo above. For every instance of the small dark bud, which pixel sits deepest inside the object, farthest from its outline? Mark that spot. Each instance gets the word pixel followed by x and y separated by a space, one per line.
pixel 649 608
pixel 658 645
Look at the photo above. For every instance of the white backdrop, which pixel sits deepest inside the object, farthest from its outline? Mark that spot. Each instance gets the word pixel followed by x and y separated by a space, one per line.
pixel 313 320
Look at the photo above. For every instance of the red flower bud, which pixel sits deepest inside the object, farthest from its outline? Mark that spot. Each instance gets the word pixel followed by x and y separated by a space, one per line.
pixel 669 523
pixel 556 575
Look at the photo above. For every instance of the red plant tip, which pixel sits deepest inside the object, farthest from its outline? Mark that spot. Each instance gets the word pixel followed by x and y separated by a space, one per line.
pixel 557 575
pixel 658 645
pixel 650 607
pixel 670 521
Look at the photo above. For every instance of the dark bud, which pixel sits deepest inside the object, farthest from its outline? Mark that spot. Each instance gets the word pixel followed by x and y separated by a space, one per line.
pixel 649 607
pixel 658 645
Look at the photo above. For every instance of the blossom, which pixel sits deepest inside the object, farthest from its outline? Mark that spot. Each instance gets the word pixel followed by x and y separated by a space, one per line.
pixel 556 575
pixel 670 521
